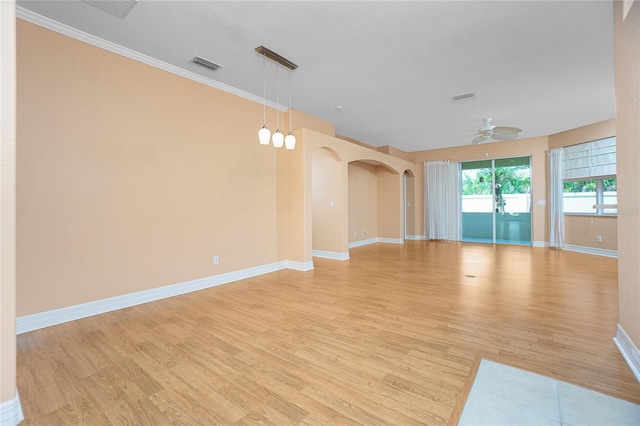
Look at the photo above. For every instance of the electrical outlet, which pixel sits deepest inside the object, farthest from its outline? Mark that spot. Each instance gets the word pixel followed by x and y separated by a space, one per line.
pixel 598 239
pixel 364 233
pixel 216 260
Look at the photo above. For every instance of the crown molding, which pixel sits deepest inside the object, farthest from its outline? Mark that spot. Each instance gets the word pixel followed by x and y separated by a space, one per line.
pixel 60 28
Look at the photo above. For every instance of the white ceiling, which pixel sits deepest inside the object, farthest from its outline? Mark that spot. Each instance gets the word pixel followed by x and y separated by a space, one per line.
pixel 543 66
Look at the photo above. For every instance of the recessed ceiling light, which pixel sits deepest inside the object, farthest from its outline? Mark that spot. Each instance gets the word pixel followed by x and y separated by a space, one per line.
pixel 339 108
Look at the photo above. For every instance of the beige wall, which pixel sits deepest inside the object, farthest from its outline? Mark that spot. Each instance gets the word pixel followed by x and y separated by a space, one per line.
pixel 291 202
pixel 131 178
pixel 410 205
pixel 627 70
pixel 583 230
pixel 7 202
pixel 395 152
pixel 592 132
pixel 363 201
pixel 328 196
pixel 390 211
pixel 534 147
pixel 301 120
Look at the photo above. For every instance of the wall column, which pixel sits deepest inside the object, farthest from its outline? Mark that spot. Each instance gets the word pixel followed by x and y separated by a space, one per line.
pixel 627 88
pixel 10 410
pixel 390 209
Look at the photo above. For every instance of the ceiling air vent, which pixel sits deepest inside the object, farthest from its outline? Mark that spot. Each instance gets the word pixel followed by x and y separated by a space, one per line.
pixel 205 63
pixel 119 8
pixel 464 97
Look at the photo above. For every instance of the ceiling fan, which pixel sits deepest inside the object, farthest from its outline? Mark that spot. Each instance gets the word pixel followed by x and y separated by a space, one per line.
pixel 500 133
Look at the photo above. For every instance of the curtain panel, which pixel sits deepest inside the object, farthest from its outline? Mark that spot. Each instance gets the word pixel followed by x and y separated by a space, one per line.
pixel 442 200
pixel 556 203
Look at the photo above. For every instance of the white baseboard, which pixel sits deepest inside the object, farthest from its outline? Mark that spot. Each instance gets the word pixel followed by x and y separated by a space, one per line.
pixel 591 250
pixel 58 316
pixel 363 242
pixel 629 351
pixel 391 240
pixel 376 240
pixel 11 412
pixel 414 237
pixel 299 266
pixel 540 244
pixel 331 254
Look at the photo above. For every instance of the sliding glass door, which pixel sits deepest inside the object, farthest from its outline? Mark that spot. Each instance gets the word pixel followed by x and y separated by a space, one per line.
pixel 513 200
pixel 476 205
pixel 496 201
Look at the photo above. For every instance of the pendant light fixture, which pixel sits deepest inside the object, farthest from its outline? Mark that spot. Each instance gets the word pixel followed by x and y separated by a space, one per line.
pixel 264 134
pixel 290 140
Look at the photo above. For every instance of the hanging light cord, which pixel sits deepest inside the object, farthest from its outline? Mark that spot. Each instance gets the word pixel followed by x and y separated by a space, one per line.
pixel 277 98
pixel 264 90
pixel 289 84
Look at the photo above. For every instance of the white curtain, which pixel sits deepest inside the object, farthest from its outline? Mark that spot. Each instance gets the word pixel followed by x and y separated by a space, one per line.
pixel 442 184
pixel 556 205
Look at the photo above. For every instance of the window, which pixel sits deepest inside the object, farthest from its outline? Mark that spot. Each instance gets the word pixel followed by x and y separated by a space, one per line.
pixel 589 177
pixel 580 196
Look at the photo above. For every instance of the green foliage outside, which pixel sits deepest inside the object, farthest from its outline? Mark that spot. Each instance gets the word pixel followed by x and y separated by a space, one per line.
pixel 608 185
pixel 512 180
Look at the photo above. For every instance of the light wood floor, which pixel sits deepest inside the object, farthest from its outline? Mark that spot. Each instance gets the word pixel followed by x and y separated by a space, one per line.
pixel 388 337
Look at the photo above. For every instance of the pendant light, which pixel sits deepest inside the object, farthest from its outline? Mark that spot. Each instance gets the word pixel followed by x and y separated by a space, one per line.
pixel 264 134
pixel 278 137
pixel 290 140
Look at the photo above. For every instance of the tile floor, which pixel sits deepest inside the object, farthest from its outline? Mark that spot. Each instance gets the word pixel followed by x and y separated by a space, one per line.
pixel 503 395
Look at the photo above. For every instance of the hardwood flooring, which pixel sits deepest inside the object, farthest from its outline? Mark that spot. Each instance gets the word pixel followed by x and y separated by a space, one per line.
pixel 388 337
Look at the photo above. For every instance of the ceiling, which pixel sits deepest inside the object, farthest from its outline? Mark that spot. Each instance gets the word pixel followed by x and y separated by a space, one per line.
pixel 543 66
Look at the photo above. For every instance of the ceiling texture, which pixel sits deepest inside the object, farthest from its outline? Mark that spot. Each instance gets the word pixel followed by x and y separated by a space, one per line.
pixel 393 66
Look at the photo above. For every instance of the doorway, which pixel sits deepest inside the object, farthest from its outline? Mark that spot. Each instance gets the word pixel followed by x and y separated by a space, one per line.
pixel 496 201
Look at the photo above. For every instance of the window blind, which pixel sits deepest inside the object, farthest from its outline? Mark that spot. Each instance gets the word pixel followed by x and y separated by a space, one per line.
pixel 589 160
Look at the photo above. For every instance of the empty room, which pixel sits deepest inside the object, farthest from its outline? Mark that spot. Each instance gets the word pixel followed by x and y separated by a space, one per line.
pixel 320 212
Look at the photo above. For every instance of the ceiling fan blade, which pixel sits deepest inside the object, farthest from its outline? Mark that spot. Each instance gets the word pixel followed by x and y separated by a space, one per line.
pixel 505 136
pixel 481 139
pixel 506 130
pixel 468 136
